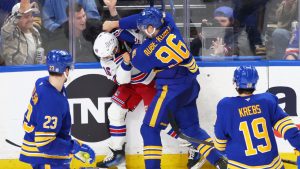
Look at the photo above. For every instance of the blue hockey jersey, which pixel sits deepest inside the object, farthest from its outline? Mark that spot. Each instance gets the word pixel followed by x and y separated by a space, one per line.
pixel 167 53
pixel 47 124
pixel 244 130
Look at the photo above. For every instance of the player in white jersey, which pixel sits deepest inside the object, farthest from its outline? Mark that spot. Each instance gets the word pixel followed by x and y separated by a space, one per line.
pixel 134 86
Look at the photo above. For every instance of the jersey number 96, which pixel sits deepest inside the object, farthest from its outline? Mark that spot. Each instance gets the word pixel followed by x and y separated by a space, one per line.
pixel 172 51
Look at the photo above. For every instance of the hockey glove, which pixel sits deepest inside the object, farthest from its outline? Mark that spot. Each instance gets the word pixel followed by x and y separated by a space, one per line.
pixel 83 152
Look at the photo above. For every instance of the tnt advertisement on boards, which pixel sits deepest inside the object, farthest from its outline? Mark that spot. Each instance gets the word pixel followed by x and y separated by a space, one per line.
pixel 89 94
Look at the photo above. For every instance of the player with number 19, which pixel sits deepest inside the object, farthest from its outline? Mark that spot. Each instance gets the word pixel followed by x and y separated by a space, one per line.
pixel 245 123
pixel 47 121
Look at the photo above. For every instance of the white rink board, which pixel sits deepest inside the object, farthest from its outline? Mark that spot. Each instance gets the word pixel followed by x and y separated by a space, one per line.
pixel 216 83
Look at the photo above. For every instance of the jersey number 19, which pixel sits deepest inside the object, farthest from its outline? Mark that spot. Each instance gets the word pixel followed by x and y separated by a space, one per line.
pixel 257 135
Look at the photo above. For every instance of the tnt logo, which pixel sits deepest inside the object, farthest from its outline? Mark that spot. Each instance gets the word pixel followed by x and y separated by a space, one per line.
pixel 89 98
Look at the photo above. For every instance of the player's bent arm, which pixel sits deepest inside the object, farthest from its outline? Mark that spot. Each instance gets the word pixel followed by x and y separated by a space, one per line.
pixel 283 124
pixel 129 22
pixel 57 146
pixel 123 73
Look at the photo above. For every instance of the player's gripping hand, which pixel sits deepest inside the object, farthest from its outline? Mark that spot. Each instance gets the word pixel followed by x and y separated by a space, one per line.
pixel 83 152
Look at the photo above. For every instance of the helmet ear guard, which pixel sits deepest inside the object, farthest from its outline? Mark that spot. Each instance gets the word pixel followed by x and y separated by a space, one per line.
pixel 245 77
pixel 58 61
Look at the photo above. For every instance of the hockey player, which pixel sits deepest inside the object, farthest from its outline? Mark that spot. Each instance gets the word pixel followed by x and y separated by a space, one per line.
pixel 132 89
pixel 47 122
pixel 177 88
pixel 134 86
pixel 244 125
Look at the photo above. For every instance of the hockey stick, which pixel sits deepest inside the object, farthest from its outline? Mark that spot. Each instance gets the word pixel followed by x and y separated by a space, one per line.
pixel 12 143
pixel 289 161
pixel 183 136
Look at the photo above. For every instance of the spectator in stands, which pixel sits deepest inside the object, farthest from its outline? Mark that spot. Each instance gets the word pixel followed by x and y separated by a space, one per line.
pixel 285 14
pixel 84 48
pixel 292 51
pixel 248 17
pixel 54 12
pixel 21 41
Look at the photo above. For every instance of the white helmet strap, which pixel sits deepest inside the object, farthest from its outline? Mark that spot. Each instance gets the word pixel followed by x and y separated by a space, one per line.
pixel 150 34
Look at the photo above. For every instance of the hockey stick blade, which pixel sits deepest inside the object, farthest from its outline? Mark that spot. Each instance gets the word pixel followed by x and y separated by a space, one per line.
pixel 12 143
pixel 289 161
pixel 183 136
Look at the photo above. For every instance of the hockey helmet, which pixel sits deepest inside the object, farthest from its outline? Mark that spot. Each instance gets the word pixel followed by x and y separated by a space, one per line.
pixel 58 61
pixel 106 44
pixel 150 16
pixel 245 77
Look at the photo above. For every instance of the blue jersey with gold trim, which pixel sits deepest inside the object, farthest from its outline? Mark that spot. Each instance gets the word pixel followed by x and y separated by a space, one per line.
pixel 244 130
pixel 166 53
pixel 47 124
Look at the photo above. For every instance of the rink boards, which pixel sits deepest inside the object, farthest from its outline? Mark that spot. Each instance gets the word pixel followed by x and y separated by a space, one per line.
pixel 89 96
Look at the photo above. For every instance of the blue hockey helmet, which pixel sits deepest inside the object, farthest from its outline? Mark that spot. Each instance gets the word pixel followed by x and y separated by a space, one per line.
pixel 58 61
pixel 150 16
pixel 245 77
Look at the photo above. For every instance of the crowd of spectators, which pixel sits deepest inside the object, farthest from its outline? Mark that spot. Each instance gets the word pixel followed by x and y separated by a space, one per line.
pixel 30 28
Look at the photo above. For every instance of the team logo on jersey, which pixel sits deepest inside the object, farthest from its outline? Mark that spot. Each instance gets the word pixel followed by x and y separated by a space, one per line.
pixel 89 98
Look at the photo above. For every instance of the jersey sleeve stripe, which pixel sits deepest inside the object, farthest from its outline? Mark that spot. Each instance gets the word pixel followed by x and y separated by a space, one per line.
pixel 286 128
pixel 28 148
pixel 219 141
pixel 279 122
pixel 45 133
pixel 43 139
pixel 281 126
pixel 28 143
pixel 40 144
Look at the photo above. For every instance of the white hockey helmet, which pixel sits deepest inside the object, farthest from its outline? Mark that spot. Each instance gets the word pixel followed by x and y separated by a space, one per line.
pixel 105 45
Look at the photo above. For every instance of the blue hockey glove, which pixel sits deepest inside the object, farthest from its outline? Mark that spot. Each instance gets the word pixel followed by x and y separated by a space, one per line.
pixel 83 152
